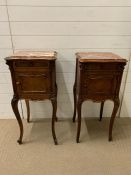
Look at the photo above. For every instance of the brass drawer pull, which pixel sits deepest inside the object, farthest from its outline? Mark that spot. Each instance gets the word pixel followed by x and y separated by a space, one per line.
pixel 17 82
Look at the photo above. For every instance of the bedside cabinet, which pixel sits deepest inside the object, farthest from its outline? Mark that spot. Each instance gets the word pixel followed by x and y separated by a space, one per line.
pixel 98 78
pixel 33 78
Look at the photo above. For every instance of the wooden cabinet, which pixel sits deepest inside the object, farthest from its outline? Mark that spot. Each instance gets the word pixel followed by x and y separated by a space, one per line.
pixel 98 78
pixel 33 78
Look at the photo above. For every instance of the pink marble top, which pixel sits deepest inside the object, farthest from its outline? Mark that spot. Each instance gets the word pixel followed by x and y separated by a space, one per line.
pixel 99 57
pixel 33 55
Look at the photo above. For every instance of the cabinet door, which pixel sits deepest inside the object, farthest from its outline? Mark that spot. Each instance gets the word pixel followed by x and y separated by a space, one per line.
pixel 101 84
pixel 33 82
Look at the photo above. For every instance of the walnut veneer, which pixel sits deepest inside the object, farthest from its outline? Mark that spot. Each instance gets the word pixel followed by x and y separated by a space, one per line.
pixel 33 78
pixel 98 78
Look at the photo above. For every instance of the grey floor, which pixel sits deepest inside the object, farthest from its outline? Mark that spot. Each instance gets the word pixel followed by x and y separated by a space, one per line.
pixel 93 156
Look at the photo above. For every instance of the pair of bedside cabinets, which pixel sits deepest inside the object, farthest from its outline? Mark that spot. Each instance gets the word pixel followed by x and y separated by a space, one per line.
pixel 98 78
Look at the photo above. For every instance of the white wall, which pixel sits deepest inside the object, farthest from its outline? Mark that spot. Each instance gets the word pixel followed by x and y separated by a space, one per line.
pixel 66 26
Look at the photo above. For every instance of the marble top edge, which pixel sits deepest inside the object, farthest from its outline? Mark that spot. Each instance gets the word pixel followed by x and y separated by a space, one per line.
pixel 107 56
pixel 33 55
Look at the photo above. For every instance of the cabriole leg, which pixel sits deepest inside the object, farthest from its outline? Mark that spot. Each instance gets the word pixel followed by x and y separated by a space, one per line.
pixel 101 110
pixel 79 105
pixel 56 119
pixel 115 109
pixel 74 92
pixel 14 104
pixel 28 110
pixel 54 105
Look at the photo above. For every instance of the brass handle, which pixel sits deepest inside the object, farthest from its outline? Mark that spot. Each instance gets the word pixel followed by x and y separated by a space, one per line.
pixel 17 82
pixel 44 75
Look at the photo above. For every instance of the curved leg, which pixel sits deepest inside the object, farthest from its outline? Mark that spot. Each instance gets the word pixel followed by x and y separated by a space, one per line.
pixel 54 105
pixel 56 119
pixel 101 110
pixel 14 104
pixel 28 110
pixel 116 106
pixel 74 91
pixel 79 105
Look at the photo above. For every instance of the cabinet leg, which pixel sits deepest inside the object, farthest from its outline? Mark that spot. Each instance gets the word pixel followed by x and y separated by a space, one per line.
pixel 14 104
pixel 79 105
pixel 28 110
pixel 54 105
pixel 74 92
pixel 101 110
pixel 56 119
pixel 115 109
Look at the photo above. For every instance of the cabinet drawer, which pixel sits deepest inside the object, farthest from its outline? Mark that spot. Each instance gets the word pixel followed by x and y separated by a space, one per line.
pixel 31 64
pixel 101 66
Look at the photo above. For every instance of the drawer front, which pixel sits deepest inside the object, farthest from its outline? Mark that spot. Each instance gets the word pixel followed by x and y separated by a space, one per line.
pixel 101 84
pixel 33 82
pixel 101 66
pixel 30 64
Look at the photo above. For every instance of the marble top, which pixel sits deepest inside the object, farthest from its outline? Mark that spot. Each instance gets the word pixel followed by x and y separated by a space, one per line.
pixel 33 55
pixel 99 57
